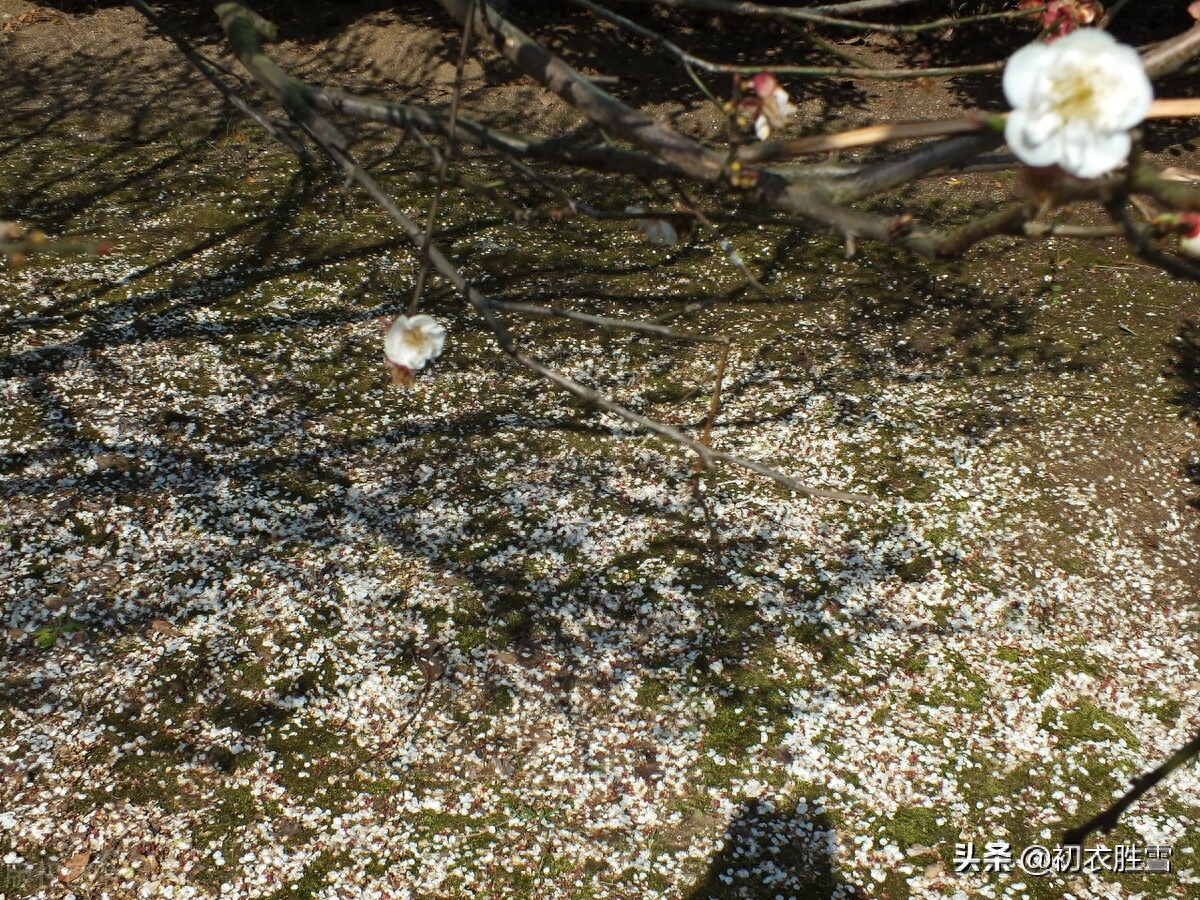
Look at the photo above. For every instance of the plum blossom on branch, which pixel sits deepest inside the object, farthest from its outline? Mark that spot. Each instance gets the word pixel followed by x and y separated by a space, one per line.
pixel 410 343
pixel 1189 239
pixel 1074 101
pixel 1187 226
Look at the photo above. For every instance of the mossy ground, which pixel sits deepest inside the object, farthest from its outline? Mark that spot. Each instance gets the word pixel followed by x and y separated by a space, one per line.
pixel 227 250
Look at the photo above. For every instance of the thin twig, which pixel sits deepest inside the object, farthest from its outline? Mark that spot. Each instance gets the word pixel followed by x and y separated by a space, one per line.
pixel 443 165
pixel 722 241
pixel 872 135
pixel 715 405
pixel 854 71
pixel 707 454
pixel 205 68
pixel 1058 229
pixel 607 322
pixel 784 13
pixel 1112 12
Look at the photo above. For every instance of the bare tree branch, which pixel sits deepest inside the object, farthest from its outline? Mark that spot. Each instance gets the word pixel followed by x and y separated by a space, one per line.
pixel 688 157
pixel 239 22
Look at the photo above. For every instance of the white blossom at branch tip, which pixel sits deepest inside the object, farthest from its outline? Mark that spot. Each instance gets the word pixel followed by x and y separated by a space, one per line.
pixel 1189 237
pixel 1074 101
pixel 412 342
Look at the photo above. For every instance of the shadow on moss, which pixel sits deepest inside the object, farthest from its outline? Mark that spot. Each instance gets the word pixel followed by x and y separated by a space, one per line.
pixel 770 852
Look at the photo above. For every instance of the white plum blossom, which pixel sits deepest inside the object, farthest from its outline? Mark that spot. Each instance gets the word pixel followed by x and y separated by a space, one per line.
pixel 1074 101
pixel 412 342
pixel 659 231
pixel 663 232
pixel 1189 235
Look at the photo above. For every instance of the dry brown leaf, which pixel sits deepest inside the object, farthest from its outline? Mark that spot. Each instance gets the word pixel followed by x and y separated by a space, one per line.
pixel 33 17
pixel 74 867
pixel 162 626
pixel 1175 174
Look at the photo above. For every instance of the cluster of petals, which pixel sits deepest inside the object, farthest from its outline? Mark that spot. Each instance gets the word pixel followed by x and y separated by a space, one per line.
pixel 1061 17
pixel 412 342
pixel 770 107
pixel 1074 101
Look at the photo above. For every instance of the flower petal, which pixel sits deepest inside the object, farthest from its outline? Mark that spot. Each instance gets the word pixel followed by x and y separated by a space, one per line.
pixel 1029 144
pixel 1136 94
pixel 1074 102
pixel 1089 155
pixel 1024 71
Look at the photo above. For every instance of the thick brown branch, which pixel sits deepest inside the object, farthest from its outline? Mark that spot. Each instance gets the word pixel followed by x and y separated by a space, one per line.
pixel 1173 54
pixel 555 150
pixel 688 157
pixel 1010 220
pixel 1145 180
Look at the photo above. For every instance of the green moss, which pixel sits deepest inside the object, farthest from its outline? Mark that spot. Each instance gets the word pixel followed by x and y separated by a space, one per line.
pixel 1166 709
pixel 650 693
pixel 918 825
pixel 730 731
pixel 314 761
pixel 228 816
pixel 1087 722
pixel 834 651
pixel 314 882
pixel 499 699
pixel 1040 672
pixel 467 639
pixel 969 693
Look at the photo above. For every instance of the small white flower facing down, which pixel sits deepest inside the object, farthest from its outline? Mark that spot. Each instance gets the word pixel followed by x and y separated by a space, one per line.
pixel 771 107
pixel 663 232
pixel 1074 101
pixel 410 343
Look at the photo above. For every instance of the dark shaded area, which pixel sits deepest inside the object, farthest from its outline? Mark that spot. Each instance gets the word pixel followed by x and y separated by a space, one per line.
pixel 773 852
pixel 1184 371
